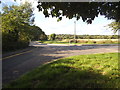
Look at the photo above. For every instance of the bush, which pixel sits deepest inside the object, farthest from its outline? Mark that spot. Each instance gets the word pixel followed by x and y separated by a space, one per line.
pixel 94 41
pixel 90 41
pixel 14 45
pixel 52 36
pixel 73 41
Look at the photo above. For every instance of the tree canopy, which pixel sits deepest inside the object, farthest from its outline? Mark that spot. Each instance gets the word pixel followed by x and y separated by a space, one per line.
pixel 16 20
pixel 115 26
pixel 37 33
pixel 85 10
pixel 17 27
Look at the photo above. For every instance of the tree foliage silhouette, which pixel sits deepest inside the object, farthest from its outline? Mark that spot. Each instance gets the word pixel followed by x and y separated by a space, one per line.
pixel 85 10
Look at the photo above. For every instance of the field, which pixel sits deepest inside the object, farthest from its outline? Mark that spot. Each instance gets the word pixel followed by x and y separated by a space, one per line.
pixel 82 71
pixel 83 41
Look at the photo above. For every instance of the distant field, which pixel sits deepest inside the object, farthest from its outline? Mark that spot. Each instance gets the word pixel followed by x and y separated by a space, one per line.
pixel 71 36
pixel 84 41
pixel 92 39
pixel 82 71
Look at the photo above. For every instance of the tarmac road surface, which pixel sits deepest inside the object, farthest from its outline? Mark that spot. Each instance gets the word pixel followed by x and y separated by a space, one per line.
pixel 15 64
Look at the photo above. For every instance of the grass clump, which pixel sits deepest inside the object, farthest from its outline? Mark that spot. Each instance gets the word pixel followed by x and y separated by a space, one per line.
pixel 83 71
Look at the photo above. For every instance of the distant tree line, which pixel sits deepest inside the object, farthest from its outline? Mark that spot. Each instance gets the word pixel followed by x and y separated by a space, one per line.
pixel 69 36
pixel 17 27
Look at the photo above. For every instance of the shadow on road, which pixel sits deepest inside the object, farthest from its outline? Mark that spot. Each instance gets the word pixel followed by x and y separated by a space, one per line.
pixel 16 66
pixel 82 47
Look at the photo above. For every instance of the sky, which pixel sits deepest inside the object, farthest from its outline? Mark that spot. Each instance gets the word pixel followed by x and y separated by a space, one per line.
pixel 66 26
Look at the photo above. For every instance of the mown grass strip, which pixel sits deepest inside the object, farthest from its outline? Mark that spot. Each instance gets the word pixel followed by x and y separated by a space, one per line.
pixel 81 42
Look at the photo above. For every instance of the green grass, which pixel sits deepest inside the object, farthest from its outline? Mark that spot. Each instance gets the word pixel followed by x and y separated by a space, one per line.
pixel 82 42
pixel 83 71
pixel 53 42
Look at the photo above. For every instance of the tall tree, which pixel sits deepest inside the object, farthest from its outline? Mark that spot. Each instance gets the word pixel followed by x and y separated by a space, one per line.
pixel 16 21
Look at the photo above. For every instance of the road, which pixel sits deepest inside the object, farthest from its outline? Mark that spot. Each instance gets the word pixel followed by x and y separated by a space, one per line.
pixel 16 64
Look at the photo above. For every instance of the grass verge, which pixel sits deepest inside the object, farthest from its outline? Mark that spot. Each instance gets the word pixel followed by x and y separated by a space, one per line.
pixel 81 42
pixel 83 71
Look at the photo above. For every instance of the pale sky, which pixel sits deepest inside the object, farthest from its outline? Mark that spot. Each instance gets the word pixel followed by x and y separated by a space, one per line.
pixel 66 26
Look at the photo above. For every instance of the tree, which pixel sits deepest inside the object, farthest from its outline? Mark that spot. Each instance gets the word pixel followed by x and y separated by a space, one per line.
pixel 52 36
pixel 86 10
pixel 43 36
pixel 37 33
pixel 16 21
pixel 115 26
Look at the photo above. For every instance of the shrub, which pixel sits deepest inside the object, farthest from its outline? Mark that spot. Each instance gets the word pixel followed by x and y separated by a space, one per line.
pixel 94 41
pixel 52 36
pixel 14 45
pixel 73 41
pixel 91 41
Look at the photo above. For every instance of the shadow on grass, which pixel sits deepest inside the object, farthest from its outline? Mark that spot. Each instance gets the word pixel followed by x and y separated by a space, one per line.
pixel 47 77
pixel 64 76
